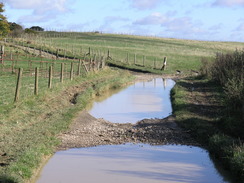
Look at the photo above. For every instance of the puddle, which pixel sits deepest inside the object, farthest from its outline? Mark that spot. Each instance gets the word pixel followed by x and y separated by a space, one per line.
pixel 139 101
pixel 131 163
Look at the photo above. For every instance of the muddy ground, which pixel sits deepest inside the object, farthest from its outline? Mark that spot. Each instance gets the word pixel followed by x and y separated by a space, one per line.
pixel 87 131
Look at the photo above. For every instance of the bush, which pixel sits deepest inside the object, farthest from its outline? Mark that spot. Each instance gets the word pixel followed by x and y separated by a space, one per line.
pixel 222 146
pixel 227 67
pixel 237 162
pixel 205 69
pixel 227 70
pixel 230 151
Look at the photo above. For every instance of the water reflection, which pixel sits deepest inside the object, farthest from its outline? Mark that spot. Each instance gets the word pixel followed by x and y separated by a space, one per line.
pixel 131 163
pixel 139 101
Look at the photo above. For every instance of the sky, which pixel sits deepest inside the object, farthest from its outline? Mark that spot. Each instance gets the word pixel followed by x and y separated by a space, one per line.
pixel 213 20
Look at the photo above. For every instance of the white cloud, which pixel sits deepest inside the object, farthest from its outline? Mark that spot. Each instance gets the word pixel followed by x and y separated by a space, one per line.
pixel 229 3
pixel 145 4
pixel 170 23
pixel 153 19
pixel 38 5
pixel 110 22
pixel 184 25
pixel 216 27
pixel 41 9
pixel 111 19
pixel 240 27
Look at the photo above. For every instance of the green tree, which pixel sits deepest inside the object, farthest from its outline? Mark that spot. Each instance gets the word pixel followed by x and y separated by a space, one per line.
pixel 15 29
pixel 37 28
pixel 4 26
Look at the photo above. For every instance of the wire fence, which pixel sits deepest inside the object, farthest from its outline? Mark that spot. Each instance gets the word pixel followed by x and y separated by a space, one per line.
pixel 22 76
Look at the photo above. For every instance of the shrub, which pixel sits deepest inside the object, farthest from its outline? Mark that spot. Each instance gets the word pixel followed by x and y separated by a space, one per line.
pixel 205 69
pixel 228 66
pixel 227 70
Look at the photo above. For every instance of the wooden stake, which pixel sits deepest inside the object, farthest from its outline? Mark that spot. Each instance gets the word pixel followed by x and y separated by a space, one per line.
pixel 79 67
pixel 71 71
pixel 50 77
pixel 85 67
pixel 36 80
pixel 164 64
pixel 2 55
pixel 62 73
pixel 18 85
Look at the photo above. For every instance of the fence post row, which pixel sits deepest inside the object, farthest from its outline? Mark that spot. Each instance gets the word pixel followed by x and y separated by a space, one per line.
pixel 88 66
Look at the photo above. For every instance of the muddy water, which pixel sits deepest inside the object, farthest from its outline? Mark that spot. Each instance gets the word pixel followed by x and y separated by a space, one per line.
pixel 139 101
pixel 131 163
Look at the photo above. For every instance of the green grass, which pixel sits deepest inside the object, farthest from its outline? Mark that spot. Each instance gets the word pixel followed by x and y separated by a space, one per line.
pixel 184 55
pixel 9 71
pixel 203 120
pixel 29 128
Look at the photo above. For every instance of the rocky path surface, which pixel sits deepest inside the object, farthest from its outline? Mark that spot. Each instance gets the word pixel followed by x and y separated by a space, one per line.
pixel 88 131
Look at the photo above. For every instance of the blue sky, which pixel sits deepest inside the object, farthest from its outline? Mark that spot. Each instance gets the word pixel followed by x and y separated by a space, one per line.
pixel 215 20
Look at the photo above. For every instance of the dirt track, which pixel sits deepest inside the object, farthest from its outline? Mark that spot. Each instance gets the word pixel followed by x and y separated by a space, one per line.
pixel 88 131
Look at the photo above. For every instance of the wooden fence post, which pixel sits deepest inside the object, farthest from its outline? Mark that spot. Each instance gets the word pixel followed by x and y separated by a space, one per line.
pixel 57 54
pixel 2 55
pixel 62 73
pixel 85 67
pixel 12 67
pixel 143 62
pixel 90 64
pixel 94 62
pixel 71 71
pixel 36 80
pixel 18 85
pixel 79 67
pixel 89 51
pixel 164 64
pixel 50 77
pixel 99 63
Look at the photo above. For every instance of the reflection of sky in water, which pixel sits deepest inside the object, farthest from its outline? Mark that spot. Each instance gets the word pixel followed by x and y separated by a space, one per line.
pixel 138 101
pixel 132 164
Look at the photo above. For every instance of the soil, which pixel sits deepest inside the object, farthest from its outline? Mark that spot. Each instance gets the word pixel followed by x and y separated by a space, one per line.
pixel 87 131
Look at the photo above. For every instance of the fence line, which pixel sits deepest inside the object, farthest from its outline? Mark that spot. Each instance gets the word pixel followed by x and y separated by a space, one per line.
pixel 56 51
pixel 54 69
pixel 82 64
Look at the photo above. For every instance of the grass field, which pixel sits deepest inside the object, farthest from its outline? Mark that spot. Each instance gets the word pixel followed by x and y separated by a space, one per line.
pixel 183 55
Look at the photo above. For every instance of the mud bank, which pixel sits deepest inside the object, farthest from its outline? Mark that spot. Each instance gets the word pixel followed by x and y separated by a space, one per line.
pixel 88 131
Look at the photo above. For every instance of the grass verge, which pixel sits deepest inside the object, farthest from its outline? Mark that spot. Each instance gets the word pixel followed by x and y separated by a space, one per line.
pixel 29 129
pixel 198 106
